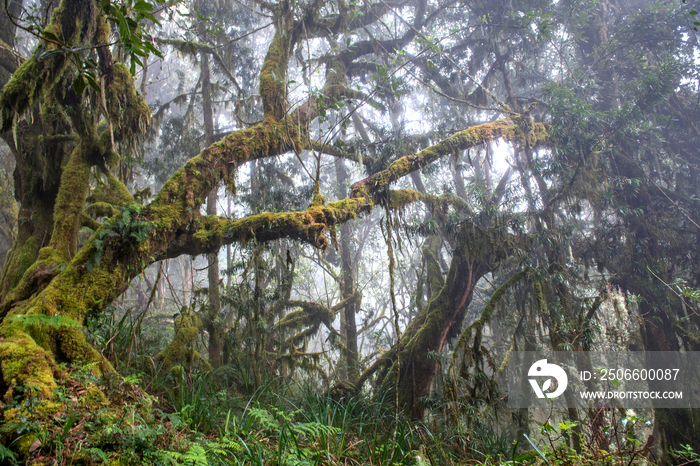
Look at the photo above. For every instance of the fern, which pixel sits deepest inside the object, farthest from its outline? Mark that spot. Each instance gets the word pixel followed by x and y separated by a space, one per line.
pixel 7 455
pixel 124 231
pixel 97 452
pixel 224 447
pixel 265 419
pixel 195 456
pixel 314 430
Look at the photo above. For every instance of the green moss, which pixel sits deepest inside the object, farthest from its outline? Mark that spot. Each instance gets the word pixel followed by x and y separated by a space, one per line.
pixel 434 276
pixel 187 326
pixel 308 225
pixel 528 133
pixel 177 203
pixel 210 231
pixel 399 199
pixel 27 254
pixel 128 112
pixel 539 297
pixel 73 22
pixel 518 130
pixel 71 201
pixel 101 209
pixel 40 272
pixel 113 193
pixel 318 201
pixel 71 296
pixel 462 140
pixel 20 260
pixel 311 314
pixel 23 444
pixel 72 346
pixel 273 74
pixel 24 363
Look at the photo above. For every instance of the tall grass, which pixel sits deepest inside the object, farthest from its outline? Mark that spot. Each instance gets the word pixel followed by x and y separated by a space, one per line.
pixel 196 400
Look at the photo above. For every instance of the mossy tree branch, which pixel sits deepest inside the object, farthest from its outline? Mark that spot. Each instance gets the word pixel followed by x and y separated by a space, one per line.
pixel 273 74
pixel 9 59
pixel 335 151
pixel 401 198
pixel 212 232
pixel 516 129
pixel 310 313
pixel 78 290
pixel 76 23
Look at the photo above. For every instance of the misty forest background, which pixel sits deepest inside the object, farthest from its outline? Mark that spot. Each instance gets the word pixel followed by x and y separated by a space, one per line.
pixel 312 231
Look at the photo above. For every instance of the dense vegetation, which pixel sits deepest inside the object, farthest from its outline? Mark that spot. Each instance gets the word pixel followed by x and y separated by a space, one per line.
pixel 312 232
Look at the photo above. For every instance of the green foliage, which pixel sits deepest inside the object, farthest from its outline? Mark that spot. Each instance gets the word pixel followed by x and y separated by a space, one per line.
pixel 195 456
pixel 196 402
pixel 129 339
pixel 687 291
pixel 124 231
pixel 87 69
pixel 84 427
pixel 7 456
pixel 694 14
pixel 605 192
pixel 686 454
pixel 128 17
pixel 25 403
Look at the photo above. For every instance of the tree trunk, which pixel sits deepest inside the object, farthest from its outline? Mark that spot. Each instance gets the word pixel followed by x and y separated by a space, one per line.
pixel 213 327
pixel 439 321
pixel 347 282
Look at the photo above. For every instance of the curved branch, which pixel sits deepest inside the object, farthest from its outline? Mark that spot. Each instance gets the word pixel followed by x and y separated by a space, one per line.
pixel 400 198
pixel 210 233
pixel 515 129
pixel 348 18
pixel 87 221
pixel 336 151
pixel 9 59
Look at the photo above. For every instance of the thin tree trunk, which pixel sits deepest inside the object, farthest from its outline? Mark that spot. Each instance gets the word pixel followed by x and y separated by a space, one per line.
pixel 347 284
pixel 212 326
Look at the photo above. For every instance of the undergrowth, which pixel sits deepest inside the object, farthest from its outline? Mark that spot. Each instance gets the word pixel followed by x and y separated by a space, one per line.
pixel 221 417
pixel 284 423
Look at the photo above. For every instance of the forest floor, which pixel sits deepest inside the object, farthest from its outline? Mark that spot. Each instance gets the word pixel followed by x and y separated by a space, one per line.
pixel 194 421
